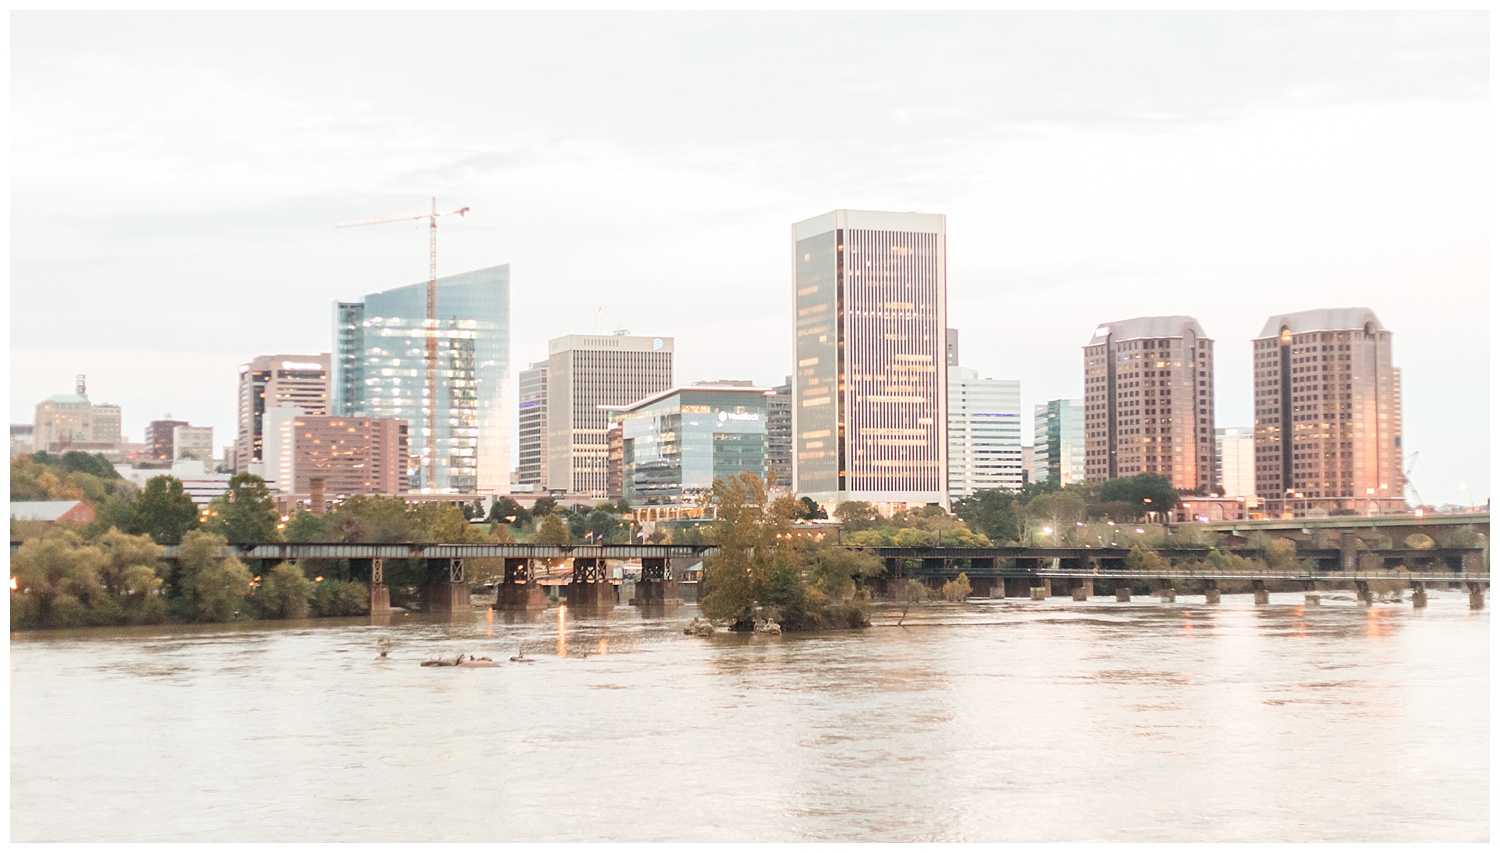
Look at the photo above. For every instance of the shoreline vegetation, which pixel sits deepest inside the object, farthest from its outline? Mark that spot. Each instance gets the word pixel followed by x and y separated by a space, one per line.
pixel 767 574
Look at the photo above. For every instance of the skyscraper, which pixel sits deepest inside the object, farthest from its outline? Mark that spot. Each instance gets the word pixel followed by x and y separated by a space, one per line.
pixel 272 381
pixel 870 393
pixel 1327 414
pixel 532 426
pixel 1235 461
pixel 779 434
pixel 984 433
pixel 381 372
pixel 1149 401
pixel 1059 441
pixel 586 373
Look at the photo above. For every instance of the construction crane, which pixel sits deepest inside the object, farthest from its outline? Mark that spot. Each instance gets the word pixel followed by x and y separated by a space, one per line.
pixel 430 446
pixel 1411 462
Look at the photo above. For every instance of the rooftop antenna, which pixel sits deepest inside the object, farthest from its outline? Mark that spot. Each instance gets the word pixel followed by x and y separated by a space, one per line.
pixel 80 386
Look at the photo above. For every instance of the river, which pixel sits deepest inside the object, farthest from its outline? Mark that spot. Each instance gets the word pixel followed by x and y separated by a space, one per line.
pixel 990 721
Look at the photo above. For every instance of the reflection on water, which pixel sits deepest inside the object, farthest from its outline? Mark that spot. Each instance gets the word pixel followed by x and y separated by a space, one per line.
pixel 1000 721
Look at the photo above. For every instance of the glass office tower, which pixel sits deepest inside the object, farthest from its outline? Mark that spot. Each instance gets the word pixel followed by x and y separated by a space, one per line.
pixel 678 442
pixel 381 372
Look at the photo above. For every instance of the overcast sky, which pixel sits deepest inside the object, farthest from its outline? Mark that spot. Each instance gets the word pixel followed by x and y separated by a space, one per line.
pixel 175 180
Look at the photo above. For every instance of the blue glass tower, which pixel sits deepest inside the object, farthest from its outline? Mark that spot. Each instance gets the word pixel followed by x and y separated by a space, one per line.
pixel 381 371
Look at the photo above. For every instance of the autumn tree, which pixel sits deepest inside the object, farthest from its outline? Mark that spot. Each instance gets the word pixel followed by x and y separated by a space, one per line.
pixel 211 586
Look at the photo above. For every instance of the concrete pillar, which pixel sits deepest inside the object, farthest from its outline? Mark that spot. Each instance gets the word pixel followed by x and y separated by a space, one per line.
pixel 1476 596
pixel 1312 600
pixel 1418 595
pixel 1211 596
pixel 589 586
pixel 1081 588
pixel 1168 595
pixel 661 593
pixel 380 594
pixel 1017 587
pixel 1262 595
pixel 518 587
pixel 447 590
pixel 1349 550
pixel 1122 592
pixel 1362 591
pixel 1045 584
pixel 1038 593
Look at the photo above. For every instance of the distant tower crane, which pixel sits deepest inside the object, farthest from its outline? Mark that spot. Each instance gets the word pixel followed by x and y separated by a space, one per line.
pixel 430 446
pixel 1411 462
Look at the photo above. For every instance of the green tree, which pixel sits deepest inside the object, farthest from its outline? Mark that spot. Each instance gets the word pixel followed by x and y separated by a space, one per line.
pixel 1146 562
pixel 303 526
pixel 340 598
pixel 284 593
pixel 122 552
pixel 1150 492
pixel 991 512
pixel 507 510
pixel 245 513
pixel 57 579
pixel 753 533
pixel 211 586
pixel 855 516
pixel 553 531
pixel 163 511
pixel 1281 555
pixel 543 506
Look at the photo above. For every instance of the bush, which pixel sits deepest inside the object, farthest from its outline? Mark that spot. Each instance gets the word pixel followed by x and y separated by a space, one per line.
pixel 340 598
pixel 284 593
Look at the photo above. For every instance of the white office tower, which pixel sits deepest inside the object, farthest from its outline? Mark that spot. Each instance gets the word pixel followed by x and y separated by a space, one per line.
pixel 984 433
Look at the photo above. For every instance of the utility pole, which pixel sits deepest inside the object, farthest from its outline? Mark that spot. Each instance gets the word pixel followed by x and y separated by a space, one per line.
pixel 430 445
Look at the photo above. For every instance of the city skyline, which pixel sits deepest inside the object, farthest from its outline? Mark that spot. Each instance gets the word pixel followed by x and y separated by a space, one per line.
pixel 1143 169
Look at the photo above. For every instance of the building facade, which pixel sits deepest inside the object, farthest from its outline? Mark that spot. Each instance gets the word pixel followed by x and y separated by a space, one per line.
pixel 381 371
pixel 275 381
pixel 66 422
pixel 1149 401
pixel 1234 459
pixel 160 440
pixel 190 442
pixel 1059 442
pixel 984 434
pixel 779 434
pixel 676 443
pixel 1327 414
pixel 586 374
pixel 532 425
pixel 870 392
pixel 353 456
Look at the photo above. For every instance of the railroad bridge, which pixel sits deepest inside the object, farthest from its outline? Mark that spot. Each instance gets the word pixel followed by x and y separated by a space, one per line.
pixel 1016 571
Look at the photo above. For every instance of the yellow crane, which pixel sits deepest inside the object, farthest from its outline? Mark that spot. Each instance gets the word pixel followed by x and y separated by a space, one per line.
pixel 429 447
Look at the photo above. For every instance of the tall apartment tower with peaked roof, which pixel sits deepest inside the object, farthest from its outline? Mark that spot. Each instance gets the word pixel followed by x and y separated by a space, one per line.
pixel 1327 414
pixel 1149 401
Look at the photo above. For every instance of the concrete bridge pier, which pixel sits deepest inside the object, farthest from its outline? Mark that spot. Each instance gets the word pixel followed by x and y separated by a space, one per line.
pixel 1122 590
pixel 1476 596
pixel 590 587
pixel 1041 588
pixel 1081 588
pixel 447 590
pixel 1038 593
pixel 1168 595
pixel 1418 594
pixel 1211 592
pixel 380 594
pixel 1017 587
pixel 982 587
pixel 1262 595
pixel 518 587
pixel 656 588
pixel 1362 591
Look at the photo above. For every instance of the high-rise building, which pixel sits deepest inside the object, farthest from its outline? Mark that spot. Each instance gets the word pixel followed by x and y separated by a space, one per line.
pixel 1234 458
pixel 1028 464
pixel 274 381
pixel 66 422
pixel 190 442
pixel 1149 401
pixel 1327 414
pixel 381 371
pixel 870 393
pixel 532 432
pixel 352 455
pixel 676 443
pixel 951 338
pixel 585 374
pixel 1059 442
pixel 160 442
pixel 779 434
pixel 984 433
